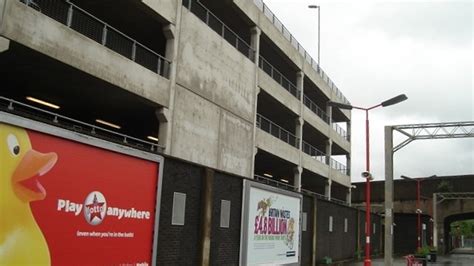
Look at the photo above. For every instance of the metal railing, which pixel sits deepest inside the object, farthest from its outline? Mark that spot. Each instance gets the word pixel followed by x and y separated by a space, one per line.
pixel 317 195
pixel 278 77
pixel 34 113
pixel 219 27
pixel 342 202
pixel 88 25
pixel 314 153
pixel 321 196
pixel 275 130
pixel 316 109
pixel 284 31
pixel 339 130
pixel 273 182
pixel 339 167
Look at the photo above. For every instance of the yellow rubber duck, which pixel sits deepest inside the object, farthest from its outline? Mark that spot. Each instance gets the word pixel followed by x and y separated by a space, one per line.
pixel 21 239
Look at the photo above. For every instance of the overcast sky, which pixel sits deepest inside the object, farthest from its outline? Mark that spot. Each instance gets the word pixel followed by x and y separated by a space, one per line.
pixel 374 50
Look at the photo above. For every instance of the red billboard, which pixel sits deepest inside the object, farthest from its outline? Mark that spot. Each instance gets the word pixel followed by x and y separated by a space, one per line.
pixel 64 202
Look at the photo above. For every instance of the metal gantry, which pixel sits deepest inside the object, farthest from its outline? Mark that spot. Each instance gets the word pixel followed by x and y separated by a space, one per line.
pixel 448 130
pixel 454 196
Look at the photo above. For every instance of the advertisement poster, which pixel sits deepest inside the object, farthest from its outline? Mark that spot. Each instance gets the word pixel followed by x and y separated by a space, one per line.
pixel 67 203
pixel 272 226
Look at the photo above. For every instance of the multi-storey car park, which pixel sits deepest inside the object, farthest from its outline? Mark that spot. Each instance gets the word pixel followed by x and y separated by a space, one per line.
pixel 221 85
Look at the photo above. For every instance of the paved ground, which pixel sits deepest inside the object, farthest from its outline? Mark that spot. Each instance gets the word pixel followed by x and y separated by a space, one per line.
pixel 459 257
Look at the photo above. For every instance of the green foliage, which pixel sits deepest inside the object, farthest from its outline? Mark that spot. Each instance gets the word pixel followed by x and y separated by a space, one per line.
pixel 465 228
pixel 423 251
pixel 358 254
pixel 327 260
pixel 444 186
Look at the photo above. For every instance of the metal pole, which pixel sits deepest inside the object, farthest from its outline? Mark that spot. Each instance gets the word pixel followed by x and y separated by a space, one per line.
pixel 418 229
pixel 319 35
pixel 367 261
pixel 388 247
pixel 435 220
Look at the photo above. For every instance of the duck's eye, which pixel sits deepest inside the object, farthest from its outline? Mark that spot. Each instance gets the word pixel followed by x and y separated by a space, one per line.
pixel 13 145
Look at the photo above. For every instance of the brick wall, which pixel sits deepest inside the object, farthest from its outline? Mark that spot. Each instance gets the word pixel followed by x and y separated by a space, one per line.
pixel 338 244
pixel 179 244
pixel 225 242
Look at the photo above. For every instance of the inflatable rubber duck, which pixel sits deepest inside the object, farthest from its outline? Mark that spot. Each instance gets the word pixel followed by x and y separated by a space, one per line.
pixel 21 239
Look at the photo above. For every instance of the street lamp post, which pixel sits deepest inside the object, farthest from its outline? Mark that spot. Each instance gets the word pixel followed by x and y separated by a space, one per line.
pixel 319 31
pixel 367 174
pixel 418 207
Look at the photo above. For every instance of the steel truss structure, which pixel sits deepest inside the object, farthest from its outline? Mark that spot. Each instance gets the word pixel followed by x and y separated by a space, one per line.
pixel 440 197
pixel 449 130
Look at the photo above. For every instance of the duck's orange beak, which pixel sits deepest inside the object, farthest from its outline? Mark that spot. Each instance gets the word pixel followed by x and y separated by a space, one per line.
pixel 25 178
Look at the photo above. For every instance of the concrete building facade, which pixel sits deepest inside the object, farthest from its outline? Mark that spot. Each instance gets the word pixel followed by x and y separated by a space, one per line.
pixel 220 84
pixel 222 87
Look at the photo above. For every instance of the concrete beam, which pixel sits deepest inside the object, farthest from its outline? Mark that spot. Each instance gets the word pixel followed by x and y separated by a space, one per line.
pixel 341 142
pixel 278 92
pixel 4 44
pixel 340 178
pixel 285 151
pixel 315 121
pixel 165 8
pixel 313 165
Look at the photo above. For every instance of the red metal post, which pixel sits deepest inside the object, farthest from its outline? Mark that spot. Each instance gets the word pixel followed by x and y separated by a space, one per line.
pixel 418 230
pixel 367 261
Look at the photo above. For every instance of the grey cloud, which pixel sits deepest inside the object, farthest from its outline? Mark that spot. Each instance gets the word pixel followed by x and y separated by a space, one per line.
pixel 428 20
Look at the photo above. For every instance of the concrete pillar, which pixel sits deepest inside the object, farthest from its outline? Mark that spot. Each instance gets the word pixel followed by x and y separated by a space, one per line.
pixel 348 196
pixel 300 86
pixel 388 247
pixel 170 34
pixel 255 45
pixel 348 164
pixel 163 115
pixel 299 131
pixel 349 131
pixel 329 113
pixel 327 189
pixel 255 33
pixel 255 151
pixel 298 170
pixel 328 152
pixel 206 222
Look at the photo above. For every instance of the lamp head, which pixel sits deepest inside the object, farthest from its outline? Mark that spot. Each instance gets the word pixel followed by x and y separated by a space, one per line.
pixel 340 105
pixel 394 100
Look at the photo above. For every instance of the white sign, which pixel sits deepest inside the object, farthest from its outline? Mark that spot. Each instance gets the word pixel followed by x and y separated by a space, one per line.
pixel 272 226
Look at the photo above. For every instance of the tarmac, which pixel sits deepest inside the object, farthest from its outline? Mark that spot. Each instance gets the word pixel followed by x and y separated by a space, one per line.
pixel 459 257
